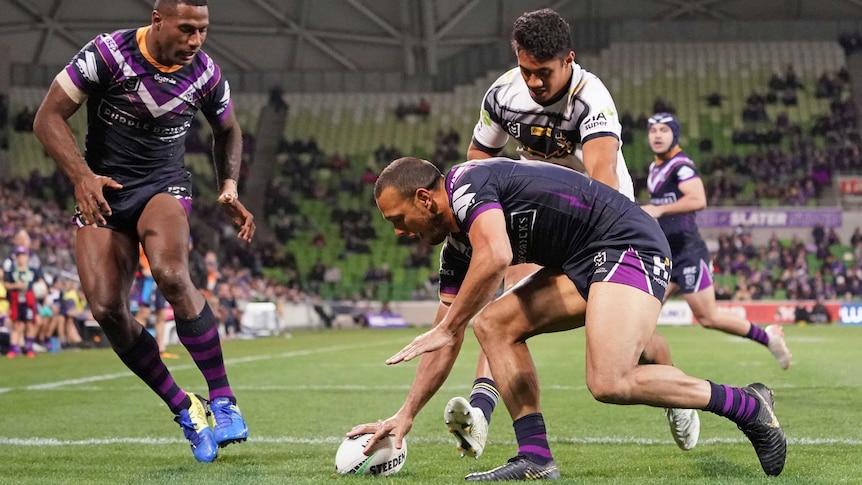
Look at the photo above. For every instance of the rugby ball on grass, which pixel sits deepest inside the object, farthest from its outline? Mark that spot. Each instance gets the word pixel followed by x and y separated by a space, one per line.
pixel 384 459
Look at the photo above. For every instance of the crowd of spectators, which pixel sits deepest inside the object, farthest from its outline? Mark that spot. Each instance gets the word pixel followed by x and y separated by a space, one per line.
pixel 789 165
pixel 821 267
pixel 421 109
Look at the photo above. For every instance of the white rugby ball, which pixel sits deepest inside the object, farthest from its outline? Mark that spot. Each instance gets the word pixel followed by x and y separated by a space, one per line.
pixel 384 460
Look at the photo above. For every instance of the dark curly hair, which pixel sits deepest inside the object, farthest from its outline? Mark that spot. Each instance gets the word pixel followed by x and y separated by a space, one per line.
pixel 542 33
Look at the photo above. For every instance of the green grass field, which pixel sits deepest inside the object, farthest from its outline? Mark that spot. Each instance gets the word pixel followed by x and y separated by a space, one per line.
pixel 81 417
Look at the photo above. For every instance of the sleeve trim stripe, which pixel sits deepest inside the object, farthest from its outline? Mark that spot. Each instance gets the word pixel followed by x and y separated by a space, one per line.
pixel 74 92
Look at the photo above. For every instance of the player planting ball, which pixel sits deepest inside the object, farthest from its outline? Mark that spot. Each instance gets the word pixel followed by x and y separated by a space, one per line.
pixel 597 248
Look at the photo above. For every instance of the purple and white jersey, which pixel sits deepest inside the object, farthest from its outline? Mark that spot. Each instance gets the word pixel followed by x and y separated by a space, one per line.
pixel 555 217
pixel 663 183
pixel 138 111
pixel 554 132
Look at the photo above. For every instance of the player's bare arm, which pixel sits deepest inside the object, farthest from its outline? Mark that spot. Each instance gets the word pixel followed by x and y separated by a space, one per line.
pixel 227 153
pixel 693 199
pixel 431 373
pixel 492 255
pixel 476 153
pixel 600 160
pixel 51 127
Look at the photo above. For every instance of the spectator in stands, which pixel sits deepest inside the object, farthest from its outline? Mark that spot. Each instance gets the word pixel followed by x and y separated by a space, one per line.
pixel 744 293
pixel 422 108
pixel 5 324
pixel 276 99
pixel 76 311
pixel 4 111
pixel 22 239
pixel 714 99
pixel 791 79
pixel 24 120
pixel 374 278
pixel 326 317
pixel 332 277
pixel 420 255
pixel 228 311
pixel 20 281
pixel 819 313
pixel 369 176
pixel 776 82
pixel 316 276
pixel 802 315
pixel 197 267
pixel 661 105
pixel 213 276
pixel 355 245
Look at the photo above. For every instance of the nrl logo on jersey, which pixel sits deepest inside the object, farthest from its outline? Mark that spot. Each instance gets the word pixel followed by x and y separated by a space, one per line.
pixel 131 84
pixel 514 129
pixel 600 258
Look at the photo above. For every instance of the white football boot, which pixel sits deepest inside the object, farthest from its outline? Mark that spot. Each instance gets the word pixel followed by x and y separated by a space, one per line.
pixel 684 426
pixel 778 346
pixel 468 424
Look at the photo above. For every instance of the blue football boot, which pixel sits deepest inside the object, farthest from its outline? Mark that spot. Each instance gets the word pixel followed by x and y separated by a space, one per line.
pixel 196 429
pixel 229 426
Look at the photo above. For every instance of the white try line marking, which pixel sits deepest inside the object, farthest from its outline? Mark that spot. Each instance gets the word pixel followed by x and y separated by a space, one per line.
pixel 174 368
pixel 606 440
pixel 305 387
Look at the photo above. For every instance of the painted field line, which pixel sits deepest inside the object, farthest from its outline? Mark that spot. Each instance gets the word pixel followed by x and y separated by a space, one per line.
pixel 235 361
pixel 605 440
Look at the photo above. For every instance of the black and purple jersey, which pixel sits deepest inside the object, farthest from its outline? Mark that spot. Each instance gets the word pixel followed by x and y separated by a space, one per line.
pixel 692 270
pixel 138 111
pixel 663 183
pixel 557 218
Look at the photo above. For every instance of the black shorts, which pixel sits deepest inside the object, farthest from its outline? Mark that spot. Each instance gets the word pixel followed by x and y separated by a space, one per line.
pixel 692 270
pixel 128 203
pixel 645 269
pixel 635 252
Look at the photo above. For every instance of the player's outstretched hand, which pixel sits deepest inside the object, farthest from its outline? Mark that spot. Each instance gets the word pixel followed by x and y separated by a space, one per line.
pixel 90 197
pixel 397 425
pixel 240 216
pixel 429 341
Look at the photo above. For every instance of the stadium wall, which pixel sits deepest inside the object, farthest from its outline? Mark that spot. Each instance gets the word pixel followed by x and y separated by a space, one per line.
pixel 764 222
pixel 675 312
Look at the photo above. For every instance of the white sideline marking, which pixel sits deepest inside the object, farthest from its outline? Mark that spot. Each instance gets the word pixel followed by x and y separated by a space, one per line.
pixel 286 388
pixel 173 368
pixel 607 440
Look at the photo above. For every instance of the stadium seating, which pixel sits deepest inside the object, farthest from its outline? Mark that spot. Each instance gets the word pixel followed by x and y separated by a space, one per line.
pixel 355 124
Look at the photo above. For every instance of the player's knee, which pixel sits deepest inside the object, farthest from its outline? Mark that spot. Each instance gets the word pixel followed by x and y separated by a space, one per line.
pixel 107 313
pixel 706 320
pixel 482 324
pixel 489 325
pixel 172 281
pixel 610 391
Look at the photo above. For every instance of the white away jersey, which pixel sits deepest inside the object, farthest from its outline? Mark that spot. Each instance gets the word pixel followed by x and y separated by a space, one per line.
pixel 550 133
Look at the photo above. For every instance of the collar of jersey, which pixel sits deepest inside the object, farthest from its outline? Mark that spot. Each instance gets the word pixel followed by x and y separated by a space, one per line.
pixel 141 38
